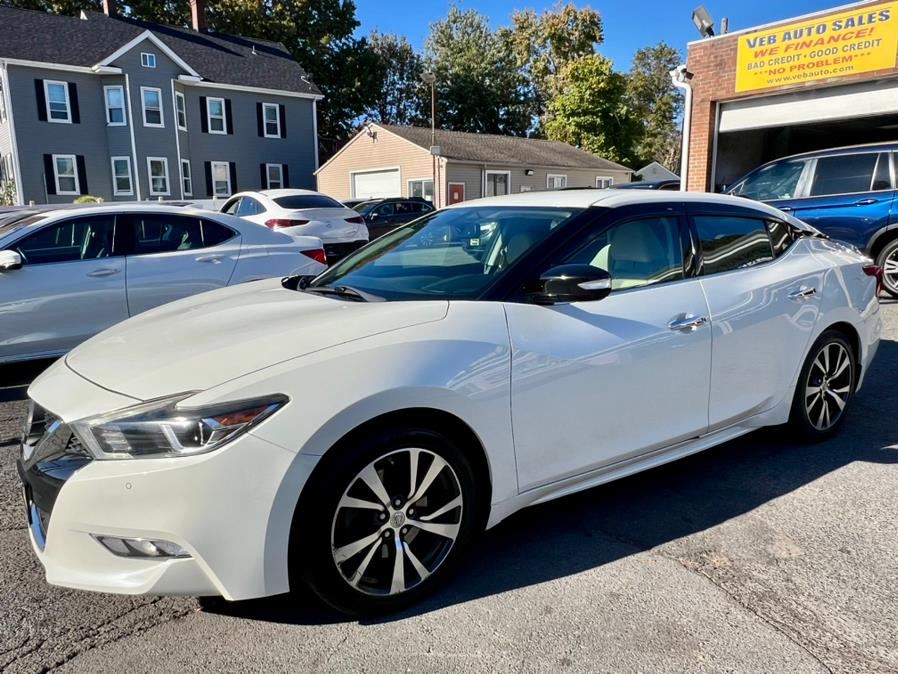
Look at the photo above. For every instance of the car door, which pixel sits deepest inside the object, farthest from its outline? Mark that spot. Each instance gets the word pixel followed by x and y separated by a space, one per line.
pixel 763 304
pixel 849 196
pixel 381 220
pixel 71 286
pixel 174 256
pixel 595 383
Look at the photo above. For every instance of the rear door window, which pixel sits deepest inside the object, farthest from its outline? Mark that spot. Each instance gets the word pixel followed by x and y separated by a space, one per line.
pixel 164 233
pixel 71 240
pixel 844 174
pixel 730 243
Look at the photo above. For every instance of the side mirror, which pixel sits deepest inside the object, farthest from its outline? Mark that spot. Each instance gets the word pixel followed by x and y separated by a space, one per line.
pixel 10 260
pixel 570 283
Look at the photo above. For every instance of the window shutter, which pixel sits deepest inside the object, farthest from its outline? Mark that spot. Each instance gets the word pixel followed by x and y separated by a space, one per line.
pixel 41 102
pixel 204 117
pixel 285 174
pixel 49 173
pixel 229 118
pixel 82 174
pixel 232 166
pixel 73 101
pixel 283 112
pixel 210 192
pixel 263 176
pixel 260 120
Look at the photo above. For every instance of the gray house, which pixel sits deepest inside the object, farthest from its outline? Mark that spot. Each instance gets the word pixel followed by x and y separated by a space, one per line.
pixel 123 109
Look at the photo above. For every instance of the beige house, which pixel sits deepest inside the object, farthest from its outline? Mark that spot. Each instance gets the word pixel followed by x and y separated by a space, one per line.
pixel 396 161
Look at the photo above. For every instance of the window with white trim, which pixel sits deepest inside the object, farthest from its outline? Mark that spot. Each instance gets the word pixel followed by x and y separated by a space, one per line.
pixel 422 188
pixel 181 110
pixel 556 181
pixel 497 183
pixel 275 175
pixel 271 115
pixel 221 178
pixel 186 179
pixel 147 59
pixel 59 110
pixel 121 177
pixel 115 105
pixel 152 107
pixel 215 111
pixel 2 105
pixel 604 181
pixel 65 173
pixel 157 168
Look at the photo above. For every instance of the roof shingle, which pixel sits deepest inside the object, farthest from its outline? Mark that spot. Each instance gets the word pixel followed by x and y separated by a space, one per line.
pixel 51 38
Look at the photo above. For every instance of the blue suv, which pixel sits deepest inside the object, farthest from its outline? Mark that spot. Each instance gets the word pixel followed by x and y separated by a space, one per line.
pixel 847 193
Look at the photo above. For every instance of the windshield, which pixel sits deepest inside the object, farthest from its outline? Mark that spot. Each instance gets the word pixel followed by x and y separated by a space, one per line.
pixel 451 254
pixel 296 202
pixel 365 207
pixel 777 181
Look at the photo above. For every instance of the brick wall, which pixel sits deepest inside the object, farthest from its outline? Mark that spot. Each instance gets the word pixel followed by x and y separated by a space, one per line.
pixel 713 65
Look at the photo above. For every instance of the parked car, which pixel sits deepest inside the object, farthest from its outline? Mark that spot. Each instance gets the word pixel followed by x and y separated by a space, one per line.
pixel 352 203
pixel 66 274
pixel 303 213
pixel 670 185
pixel 458 377
pixel 385 215
pixel 847 192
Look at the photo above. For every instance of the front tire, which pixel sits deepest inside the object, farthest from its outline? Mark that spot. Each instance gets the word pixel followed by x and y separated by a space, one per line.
pixel 888 260
pixel 825 387
pixel 385 521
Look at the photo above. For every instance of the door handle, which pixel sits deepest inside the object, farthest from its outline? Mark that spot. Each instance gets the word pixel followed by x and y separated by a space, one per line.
pixel 214 259
pixel 865 202
pixel 802 293
pixel 688 323
pixel 786 209
pixel 103 271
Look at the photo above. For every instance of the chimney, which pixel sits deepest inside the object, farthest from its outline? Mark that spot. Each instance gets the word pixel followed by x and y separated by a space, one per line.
pixel 197 14
pixel 110 8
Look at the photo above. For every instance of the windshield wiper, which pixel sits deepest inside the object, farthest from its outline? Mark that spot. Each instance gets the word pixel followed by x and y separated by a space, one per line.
pixel 344 292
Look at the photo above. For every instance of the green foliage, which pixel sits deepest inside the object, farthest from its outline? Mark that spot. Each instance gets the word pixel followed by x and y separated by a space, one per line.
pixel 88 199
pixel 7 193
pixel 479 85
pixel 590 110
pixel 657 104
pixel 403 99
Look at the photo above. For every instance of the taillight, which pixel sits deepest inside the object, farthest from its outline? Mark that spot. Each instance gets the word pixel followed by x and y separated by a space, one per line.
pixel 357 220
pixel 318 255
pixel 280 223
pixel 876 272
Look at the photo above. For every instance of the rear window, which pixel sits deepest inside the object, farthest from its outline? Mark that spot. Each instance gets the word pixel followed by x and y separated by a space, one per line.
pixel 844 174
pixel 300 201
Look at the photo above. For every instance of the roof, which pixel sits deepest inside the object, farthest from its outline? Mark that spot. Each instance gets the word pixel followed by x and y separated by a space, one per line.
pixel 51 38
pixel 882 146
pixel 504 150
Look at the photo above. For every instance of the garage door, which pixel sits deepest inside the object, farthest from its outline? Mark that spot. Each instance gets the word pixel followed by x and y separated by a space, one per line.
pixel 376 184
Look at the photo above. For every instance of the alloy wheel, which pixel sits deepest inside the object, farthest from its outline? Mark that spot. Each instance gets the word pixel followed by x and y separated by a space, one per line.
pixel 828 385
pixel 890 272
pixel 396 522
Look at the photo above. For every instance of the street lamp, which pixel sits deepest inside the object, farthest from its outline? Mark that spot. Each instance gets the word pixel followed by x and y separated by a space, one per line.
pixel 430 78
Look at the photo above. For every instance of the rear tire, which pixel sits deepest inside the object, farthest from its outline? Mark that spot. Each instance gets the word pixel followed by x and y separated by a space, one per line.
pixel 888 260
pixel 385 521
pixel 825 387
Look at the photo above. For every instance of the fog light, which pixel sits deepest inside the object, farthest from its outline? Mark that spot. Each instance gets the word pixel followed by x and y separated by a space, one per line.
pixel 142 547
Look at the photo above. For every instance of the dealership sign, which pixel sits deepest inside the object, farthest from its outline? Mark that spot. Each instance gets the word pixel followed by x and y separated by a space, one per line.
pixel 858 41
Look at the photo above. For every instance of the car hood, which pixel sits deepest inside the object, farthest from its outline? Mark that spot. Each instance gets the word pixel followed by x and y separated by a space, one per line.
pixel 205 340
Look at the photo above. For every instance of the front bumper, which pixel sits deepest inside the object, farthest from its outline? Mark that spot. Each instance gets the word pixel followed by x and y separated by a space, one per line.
pixel 230 509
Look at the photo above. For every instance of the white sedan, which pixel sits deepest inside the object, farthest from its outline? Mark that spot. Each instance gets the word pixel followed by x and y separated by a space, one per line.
pixel 488 356
pixel 303 213
pixel 67 274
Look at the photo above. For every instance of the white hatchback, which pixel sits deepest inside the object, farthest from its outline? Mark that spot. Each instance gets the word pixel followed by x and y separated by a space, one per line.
pixel 303 213
pixel 67 274
pixel 491 355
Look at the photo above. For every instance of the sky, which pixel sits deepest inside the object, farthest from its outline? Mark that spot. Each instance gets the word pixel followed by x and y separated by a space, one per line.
pixel 629 24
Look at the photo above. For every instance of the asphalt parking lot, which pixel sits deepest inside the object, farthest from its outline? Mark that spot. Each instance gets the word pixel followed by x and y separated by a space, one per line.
pixel 756 556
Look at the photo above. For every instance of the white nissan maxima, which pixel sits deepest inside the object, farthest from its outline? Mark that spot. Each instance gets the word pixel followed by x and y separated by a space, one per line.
pixel 67 274
pixel 488 356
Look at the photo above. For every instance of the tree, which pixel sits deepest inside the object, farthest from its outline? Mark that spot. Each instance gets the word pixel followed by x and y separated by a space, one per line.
pixel 544 44
pixel 591 110
pixel 657 104
pixel 401 91
pixel 479 85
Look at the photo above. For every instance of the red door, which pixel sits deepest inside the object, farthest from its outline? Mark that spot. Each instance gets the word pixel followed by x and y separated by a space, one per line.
pixel 456 192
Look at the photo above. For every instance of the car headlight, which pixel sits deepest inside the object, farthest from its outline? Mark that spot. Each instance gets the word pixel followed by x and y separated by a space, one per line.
pixel 160 429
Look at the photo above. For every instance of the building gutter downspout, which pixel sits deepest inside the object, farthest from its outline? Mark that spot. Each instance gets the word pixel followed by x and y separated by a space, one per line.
pixel 680 78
